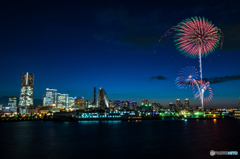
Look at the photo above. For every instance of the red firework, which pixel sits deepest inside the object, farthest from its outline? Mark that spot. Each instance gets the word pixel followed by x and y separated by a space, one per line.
pixel 195 34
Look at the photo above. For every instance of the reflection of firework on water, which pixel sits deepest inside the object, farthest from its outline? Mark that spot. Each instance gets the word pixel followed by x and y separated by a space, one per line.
pixel 194 34
pixel 208 93
pixel 186 77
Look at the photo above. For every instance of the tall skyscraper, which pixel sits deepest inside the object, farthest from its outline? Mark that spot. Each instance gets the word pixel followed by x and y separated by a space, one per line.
pixel 94 95
pixel 51 97
pixel 102 100
pixel 26 95
pixel 12 101
pixel 186 104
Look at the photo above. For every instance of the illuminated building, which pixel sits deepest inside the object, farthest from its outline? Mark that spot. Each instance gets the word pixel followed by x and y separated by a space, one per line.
pixel 132 105
pixel 12 101
pixel 102 100
pixel 186 106
pixel 156 106
pixel 71 102
pixel 89 104
pixel 110 103
pixel 145 103
pixel 51 97
pixel 117 104
pixel 26 94
pixel 80 103
pixel 1 107
pixel 62 100
pixel 126 104
pixel 122 104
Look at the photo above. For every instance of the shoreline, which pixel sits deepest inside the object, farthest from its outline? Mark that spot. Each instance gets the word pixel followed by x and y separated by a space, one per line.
pixel 113 119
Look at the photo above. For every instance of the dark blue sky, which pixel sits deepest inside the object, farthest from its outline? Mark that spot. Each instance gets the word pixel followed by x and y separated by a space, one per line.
pixel 74 46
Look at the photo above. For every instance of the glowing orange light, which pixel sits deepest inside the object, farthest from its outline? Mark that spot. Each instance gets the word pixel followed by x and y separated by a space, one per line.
pixel 190 76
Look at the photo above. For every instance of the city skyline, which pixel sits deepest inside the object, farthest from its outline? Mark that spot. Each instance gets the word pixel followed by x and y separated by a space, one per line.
pixel 73 47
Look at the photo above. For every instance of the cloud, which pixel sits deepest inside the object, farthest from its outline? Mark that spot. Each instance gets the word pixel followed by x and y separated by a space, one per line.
pixel 158 78
pixel 214 80
pixel 127 25
pixel 125 28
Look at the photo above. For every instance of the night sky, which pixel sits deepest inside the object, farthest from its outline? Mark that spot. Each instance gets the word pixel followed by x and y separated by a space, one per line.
pixel 74 46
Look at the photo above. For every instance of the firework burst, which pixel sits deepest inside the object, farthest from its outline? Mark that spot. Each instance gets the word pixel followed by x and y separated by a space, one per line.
pixel 196 33
pixel 186 77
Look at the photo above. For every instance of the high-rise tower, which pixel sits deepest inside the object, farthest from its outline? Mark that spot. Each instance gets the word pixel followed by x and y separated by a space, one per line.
pixel 102 100
pixel 178 104
pixel 26 95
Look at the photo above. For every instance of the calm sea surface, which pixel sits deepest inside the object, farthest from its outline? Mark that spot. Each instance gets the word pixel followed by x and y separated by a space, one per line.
pixel 119 139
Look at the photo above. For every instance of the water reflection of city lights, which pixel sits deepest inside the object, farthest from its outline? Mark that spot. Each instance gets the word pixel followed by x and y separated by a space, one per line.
pixel 215 121
pixel 136 121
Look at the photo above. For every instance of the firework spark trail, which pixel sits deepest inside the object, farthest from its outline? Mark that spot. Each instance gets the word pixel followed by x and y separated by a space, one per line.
pixel 205 87
pixel 200 63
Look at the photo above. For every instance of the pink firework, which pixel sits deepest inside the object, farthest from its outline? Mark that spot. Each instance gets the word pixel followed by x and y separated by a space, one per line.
pixel 207 91
pixel 194 34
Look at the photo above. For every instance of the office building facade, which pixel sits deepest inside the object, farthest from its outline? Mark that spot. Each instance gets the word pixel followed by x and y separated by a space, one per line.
pixel 26 94
pixel 71 102
pixel 80 103
pixel 62 100
pixel 51 97
pixel 12 102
